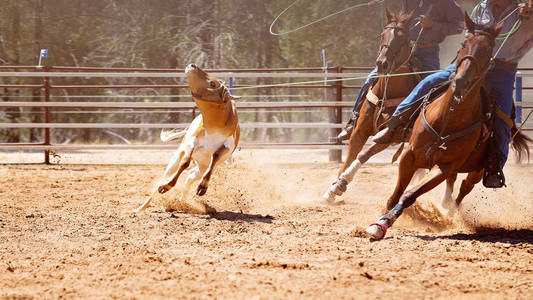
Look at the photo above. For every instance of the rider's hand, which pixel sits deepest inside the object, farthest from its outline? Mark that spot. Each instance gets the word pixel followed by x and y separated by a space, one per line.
pixel 526 9
pixel 425 21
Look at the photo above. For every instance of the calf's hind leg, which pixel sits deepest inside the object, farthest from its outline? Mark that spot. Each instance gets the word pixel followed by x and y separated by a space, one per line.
pixel 179 163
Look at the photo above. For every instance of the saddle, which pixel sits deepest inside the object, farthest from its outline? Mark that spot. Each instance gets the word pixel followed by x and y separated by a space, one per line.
pixel 492 164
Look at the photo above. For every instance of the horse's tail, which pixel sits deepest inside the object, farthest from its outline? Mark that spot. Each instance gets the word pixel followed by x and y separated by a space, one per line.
pixel 520 143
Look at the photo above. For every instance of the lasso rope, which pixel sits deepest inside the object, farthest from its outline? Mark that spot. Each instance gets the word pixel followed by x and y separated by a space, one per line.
pixel 336 80
pixel 522 125
pixel 319 20
pixel 513 29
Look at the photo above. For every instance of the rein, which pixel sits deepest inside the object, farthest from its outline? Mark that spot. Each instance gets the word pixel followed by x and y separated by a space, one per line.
pixel 382 102
pixel 406 43
pixel 441 141
pixel 214 96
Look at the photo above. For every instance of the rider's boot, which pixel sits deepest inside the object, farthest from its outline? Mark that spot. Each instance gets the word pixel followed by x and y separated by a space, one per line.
pixel 348 128
pixel 392 133
pixel 493 176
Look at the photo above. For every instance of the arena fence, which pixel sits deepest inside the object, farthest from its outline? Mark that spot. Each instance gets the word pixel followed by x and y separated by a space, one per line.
pixel 56 90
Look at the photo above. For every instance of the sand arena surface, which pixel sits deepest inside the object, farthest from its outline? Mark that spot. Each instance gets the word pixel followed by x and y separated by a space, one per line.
pixel 68 231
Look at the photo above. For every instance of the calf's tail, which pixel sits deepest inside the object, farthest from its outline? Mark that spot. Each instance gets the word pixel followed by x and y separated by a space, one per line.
pixel 171 135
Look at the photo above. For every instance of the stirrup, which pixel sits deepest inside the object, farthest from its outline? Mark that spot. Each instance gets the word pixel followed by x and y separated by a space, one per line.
pixel 494 179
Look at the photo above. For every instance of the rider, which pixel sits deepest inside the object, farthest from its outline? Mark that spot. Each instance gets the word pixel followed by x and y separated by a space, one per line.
pixel 438 18
pixel 518 29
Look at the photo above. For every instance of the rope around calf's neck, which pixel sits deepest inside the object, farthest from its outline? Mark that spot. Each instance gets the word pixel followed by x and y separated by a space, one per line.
pixel 337 79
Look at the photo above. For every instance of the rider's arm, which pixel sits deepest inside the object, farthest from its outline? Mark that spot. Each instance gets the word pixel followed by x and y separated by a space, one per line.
pixel 452 23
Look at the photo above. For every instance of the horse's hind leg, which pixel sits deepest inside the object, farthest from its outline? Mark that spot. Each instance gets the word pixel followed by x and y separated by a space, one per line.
pixel 447 198
pixel 468 184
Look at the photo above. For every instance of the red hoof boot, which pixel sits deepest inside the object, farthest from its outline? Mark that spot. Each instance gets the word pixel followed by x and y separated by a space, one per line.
pixel 377 231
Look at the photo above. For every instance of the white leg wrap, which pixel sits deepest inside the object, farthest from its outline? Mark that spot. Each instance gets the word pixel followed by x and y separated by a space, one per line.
pixel 349 173
pixel 328 197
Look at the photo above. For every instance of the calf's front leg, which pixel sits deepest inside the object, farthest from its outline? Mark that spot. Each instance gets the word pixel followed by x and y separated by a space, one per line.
pixel 215 158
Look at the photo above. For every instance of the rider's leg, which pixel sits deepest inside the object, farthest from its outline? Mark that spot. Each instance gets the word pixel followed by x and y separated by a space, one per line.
pixel 502 81
pixel 390 132
pixel 350 125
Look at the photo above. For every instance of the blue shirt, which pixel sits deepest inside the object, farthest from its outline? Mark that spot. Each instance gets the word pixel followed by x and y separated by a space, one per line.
pixel 446 16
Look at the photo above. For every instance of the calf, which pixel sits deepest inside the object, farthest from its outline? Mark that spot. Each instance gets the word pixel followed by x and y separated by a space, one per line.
pixel 210 139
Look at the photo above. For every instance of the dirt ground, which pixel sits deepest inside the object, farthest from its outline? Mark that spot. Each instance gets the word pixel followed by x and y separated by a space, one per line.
pixel 68 231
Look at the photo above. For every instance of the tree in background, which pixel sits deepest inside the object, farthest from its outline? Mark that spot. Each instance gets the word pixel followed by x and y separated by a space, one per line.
pixel 173 33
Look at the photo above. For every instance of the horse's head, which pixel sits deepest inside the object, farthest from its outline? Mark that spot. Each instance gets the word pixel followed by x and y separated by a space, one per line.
pixel 205 87
pixel 394 42
pixel 473 59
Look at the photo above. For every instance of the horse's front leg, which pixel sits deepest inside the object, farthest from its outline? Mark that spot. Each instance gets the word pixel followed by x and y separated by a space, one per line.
pixel 437 175
pixel 347 176
pixel 215 158
pixel 362 132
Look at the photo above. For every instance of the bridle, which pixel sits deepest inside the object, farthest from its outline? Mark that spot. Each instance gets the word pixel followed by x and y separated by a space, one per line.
pixel 479 70
pixel 394 26
pixel 440 140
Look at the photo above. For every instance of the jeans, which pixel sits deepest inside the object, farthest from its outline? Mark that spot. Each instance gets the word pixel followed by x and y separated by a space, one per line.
pixel 501 80
pixel 423 87
pixel 428 57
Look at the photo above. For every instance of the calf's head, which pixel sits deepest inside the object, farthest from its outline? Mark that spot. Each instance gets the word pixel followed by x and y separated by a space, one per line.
pixel 205 87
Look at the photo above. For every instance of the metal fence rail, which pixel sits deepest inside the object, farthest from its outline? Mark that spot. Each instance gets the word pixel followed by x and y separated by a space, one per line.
pixel 333 101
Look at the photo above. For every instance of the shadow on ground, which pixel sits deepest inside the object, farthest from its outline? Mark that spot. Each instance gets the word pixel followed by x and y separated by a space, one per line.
pixel 240 216
pixel 488 236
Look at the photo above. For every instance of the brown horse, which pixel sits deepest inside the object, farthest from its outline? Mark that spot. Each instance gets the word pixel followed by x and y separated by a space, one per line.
pixel 458 113
pixel 381 100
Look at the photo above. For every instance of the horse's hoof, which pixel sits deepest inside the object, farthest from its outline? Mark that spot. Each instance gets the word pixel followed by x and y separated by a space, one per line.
pixel 339 187
pixel 163 189
pixel 201 190
pixel 328 198
pixel 376 231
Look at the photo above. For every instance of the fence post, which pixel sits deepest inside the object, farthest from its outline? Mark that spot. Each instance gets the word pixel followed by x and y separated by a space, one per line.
pixel 46 87
pixel 334 114
pixel 518 97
